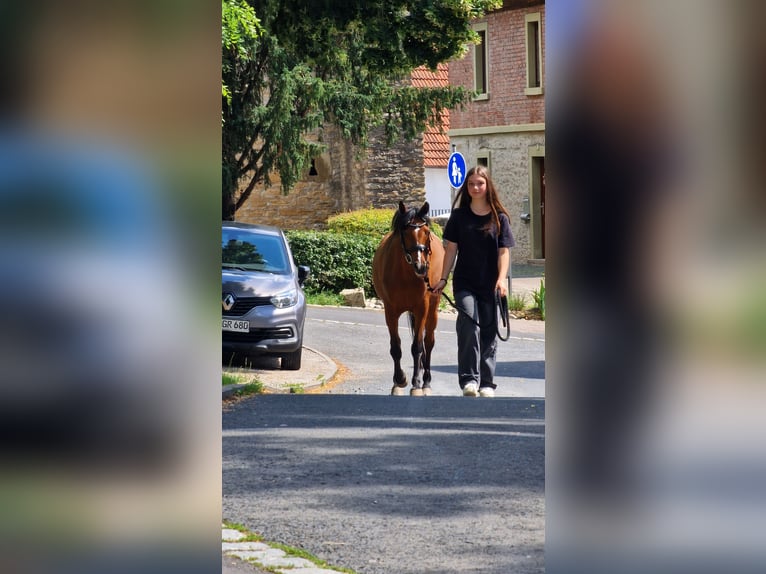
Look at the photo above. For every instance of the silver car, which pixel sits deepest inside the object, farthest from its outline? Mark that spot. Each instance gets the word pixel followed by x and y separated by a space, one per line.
pixel 263 305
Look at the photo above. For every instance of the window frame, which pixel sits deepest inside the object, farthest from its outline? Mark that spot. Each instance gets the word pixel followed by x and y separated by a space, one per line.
pixel 533 46
pixel 482 29
pixel 486 156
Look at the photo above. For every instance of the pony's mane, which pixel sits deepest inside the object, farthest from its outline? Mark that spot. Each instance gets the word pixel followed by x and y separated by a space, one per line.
pixel 401 220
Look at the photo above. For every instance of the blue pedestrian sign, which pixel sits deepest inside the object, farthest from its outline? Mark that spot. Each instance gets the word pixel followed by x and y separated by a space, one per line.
pixel 456 169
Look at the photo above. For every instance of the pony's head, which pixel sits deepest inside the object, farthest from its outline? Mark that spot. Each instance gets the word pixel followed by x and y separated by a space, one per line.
pixel 412 227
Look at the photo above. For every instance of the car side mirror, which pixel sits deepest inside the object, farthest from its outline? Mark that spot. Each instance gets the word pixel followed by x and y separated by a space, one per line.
pixel 303 273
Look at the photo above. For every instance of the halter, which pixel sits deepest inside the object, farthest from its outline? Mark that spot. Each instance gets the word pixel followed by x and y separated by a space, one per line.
pixel 419 247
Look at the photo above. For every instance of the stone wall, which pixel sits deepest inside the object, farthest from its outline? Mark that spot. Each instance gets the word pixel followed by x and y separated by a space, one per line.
pixel 395 173
pixel 510 171
pixel 343 182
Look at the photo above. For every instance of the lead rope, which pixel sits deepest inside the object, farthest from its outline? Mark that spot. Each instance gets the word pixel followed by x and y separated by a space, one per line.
pixel 502 307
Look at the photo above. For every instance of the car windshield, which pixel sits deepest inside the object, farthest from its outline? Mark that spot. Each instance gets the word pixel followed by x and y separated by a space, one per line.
pixel 252 251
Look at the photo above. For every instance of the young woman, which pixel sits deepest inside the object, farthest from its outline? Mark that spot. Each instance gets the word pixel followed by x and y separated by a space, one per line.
pixel 479 231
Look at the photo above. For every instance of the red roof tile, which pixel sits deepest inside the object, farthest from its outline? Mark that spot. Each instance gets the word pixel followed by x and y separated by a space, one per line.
pixel 436 147
pixel 424 78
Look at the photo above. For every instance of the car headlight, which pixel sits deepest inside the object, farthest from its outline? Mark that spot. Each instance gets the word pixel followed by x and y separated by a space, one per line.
pixel 286 299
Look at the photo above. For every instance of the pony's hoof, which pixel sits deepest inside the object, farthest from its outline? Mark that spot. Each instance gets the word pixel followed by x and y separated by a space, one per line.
pixel 397 391
pixel 415 392
pixel 426 391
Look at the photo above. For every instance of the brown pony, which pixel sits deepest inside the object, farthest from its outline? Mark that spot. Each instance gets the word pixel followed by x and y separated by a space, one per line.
pixel 406 264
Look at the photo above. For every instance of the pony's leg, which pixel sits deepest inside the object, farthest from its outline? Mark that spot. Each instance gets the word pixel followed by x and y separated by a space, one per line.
pixel 418 324
pixel 400 379
pixel 428 345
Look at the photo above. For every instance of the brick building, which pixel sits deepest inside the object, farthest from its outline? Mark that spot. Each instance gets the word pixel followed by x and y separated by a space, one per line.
pixel 504 126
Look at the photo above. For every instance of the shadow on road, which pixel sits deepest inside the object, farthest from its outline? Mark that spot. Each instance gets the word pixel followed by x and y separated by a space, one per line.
pixel 518 369
pixel 352 467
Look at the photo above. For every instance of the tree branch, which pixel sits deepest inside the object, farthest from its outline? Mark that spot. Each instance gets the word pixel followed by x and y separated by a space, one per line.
pixel 245 195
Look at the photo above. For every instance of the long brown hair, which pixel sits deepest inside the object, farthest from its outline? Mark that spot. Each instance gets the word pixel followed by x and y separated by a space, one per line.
pixel 463 197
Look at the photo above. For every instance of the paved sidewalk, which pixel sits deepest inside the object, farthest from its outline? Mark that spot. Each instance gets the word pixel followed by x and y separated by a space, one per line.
pixel 316 371
pixel 525 286
pixel 252 557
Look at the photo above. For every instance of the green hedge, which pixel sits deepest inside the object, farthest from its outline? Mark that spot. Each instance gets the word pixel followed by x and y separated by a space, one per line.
pixel 373 222
pixel 341 258
pixel 338 260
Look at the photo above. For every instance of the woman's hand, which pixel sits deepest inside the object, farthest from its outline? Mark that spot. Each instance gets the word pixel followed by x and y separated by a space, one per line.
pixel 502 286
pixel 439 287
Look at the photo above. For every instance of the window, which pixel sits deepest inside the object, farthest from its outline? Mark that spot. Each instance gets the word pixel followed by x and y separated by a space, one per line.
pixel 534 85
pixel 482 158
pixel 481 63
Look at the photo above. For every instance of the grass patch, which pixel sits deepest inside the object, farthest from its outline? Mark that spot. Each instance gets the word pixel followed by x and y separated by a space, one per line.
pixel 252 388
pixel 324 298
pixel 296 389
pixel 289 550
pixel 538 295
pixel 249 384
pixel 229 379
pixel 517 302
pixel 298 553
pixel 249 536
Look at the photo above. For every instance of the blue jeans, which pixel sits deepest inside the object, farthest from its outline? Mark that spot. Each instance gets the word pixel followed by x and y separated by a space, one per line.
pixel 476 346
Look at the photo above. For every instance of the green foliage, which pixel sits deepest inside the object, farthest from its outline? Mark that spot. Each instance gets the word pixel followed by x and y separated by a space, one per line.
pixel 538 296
pixel 240 28
pixel 252 388
pixel 516 302
pixel 290 67
pixel 338 260
pixel 228 379
pixel 437 229
pixel 373 222
pixel 324 298
pixel 248 385
pixel 341 258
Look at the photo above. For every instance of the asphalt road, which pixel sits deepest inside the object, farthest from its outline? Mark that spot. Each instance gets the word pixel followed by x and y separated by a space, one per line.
pixel 358 339
pixel 393 485
pixel 396 485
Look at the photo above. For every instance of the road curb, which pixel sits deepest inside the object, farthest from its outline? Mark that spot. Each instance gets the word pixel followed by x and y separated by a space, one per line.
pixel 317 370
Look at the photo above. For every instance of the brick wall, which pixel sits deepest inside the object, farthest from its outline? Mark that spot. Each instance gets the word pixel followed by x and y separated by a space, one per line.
pixel 507 103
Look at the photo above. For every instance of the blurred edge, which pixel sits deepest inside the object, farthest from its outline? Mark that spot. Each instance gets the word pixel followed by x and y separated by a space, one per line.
pixel 109 215
pixel 656 317
pixel 656 276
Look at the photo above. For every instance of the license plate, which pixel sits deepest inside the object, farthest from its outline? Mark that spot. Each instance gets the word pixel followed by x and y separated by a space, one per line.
pixel 236 325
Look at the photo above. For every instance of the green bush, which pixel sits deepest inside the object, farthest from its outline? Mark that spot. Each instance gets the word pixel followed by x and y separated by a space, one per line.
pixel 516 302
pixel 338 260
pixel 373 222
pixel 341 258
pixel 538 296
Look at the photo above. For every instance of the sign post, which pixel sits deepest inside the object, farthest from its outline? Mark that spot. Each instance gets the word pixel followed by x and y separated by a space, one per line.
pixel 456 169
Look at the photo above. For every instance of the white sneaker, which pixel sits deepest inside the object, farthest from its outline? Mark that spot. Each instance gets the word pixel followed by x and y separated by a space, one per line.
pixel 486 392
pixel 470 390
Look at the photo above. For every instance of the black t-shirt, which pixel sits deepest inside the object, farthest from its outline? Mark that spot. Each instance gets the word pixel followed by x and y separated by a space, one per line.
pixel 478 243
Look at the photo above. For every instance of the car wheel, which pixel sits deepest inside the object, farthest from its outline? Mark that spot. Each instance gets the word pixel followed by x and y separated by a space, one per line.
pixel 292 361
